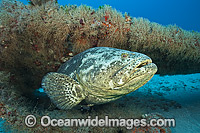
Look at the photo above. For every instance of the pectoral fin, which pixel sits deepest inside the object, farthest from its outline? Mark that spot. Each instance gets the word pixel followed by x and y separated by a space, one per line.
pixel 64 91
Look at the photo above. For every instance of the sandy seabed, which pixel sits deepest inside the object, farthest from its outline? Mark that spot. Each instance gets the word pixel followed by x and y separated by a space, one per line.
pixel 185 90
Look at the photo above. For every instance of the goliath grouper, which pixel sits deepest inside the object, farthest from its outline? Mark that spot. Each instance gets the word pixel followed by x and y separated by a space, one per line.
pixel 98 75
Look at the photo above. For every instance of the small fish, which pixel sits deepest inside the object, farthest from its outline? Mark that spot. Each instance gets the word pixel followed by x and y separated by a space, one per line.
pixel 177 31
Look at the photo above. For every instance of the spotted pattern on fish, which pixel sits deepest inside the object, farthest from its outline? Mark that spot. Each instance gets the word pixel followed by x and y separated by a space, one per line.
pixel 98 75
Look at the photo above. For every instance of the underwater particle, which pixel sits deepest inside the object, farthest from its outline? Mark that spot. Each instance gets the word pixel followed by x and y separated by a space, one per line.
pixel 72 83
pixel 5 46
pixel 70 54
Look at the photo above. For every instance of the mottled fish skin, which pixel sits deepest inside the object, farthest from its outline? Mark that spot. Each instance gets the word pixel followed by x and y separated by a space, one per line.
pixel 106 74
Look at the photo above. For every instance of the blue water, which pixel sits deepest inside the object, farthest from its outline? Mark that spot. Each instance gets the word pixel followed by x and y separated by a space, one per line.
pixel 184 13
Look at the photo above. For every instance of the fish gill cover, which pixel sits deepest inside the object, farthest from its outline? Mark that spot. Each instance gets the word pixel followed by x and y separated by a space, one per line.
pixel 37 38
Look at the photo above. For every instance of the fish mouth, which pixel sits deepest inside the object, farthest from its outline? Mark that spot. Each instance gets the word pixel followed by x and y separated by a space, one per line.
pixel 145 67
pixel 141 70
pixel 144 63
pixel 142 73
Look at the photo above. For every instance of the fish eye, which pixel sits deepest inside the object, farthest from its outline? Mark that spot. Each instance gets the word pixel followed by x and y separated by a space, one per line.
pixel 124 55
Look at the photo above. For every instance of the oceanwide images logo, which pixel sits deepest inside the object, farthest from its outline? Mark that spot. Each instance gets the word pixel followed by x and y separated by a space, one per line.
pixel 46 121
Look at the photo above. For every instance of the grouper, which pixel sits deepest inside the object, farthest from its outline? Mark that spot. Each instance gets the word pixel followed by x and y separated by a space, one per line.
pixel 96 76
